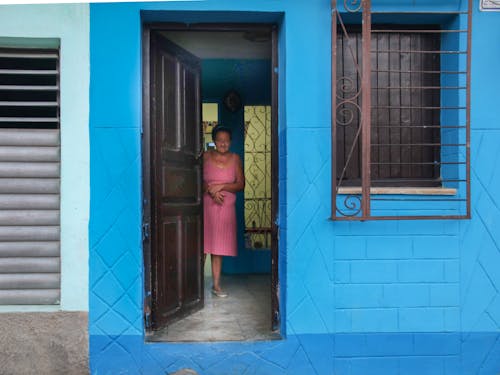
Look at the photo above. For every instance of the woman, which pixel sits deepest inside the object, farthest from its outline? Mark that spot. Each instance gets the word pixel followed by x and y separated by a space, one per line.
pixel 222 178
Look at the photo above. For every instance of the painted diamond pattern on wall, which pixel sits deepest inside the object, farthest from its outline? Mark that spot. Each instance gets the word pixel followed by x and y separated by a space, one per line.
pixel 114 237
pixel 116 284
pixel 480 256
pixel 117 287
pixel 312 267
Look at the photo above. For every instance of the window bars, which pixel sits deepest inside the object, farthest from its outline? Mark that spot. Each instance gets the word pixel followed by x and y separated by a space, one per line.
pixel 400 111
pixel 29 88
pixel 257 192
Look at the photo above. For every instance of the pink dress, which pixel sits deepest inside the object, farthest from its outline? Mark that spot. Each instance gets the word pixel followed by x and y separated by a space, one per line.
pixel 219 220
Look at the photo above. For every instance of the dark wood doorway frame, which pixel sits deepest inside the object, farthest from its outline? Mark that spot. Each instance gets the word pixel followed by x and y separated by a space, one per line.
pixel 148 30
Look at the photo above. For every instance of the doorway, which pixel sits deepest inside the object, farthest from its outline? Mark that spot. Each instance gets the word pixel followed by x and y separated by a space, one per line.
pixel 185 66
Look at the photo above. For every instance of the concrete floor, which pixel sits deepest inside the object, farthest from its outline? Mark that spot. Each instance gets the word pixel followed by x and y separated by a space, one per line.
pixel 245 315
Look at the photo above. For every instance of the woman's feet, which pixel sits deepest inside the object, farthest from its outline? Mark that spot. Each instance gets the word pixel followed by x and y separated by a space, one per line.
pixel 219 293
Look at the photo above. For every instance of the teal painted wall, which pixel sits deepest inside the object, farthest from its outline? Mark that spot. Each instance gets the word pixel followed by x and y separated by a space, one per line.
pixel 387 297
pixel 68 26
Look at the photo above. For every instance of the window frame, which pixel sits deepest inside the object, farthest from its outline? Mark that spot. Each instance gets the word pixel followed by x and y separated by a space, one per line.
pixel 358 203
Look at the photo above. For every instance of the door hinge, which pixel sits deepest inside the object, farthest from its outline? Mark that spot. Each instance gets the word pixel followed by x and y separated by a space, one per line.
pixel 277 224
pixel 145 232
pixel 147 311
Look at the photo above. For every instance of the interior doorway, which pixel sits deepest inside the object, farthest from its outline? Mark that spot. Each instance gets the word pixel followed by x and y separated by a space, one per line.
pixel 230 69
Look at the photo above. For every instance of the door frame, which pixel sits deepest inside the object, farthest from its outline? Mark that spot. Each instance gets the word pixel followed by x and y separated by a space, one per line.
pixel 147 28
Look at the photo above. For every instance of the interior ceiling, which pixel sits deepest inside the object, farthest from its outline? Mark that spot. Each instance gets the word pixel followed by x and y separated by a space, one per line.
pixel 223 44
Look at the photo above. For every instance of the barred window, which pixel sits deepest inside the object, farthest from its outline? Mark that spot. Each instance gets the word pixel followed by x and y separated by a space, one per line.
pixel 405 116
pixel 400 113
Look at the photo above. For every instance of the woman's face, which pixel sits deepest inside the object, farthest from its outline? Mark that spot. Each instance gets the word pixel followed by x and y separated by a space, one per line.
pixel 222 142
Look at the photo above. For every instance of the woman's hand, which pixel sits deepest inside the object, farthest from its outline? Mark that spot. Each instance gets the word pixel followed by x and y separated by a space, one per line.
pixel 213 189
pixel 218 197
pixel 216 193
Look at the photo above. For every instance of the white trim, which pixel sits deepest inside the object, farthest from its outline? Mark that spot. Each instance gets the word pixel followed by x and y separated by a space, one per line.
pixel 399 190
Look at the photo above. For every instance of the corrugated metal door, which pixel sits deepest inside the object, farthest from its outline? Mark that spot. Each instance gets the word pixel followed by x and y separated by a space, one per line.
pixel 29 177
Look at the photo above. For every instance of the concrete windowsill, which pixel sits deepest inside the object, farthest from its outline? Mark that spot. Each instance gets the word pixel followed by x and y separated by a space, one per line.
pixel 399 190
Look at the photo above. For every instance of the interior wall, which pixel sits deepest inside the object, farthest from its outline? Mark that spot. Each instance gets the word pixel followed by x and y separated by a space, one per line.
pixel 252 80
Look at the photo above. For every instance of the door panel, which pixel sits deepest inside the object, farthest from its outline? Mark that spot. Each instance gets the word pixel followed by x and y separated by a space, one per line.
pixel 176 180
pixel 191 141
pixel 167 115
pixel 181 183
pixel 193 233
pixel 169 298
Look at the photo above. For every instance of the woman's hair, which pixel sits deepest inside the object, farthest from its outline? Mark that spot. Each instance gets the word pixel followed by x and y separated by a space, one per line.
pixel 221 128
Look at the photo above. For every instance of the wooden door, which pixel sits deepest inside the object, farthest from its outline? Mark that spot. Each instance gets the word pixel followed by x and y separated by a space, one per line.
pixel 176 182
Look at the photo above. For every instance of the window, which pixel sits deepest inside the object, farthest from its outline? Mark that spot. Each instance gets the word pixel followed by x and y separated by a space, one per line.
pixel 210 119
pixel 405 117
pixel 400 121
pixel 258 177
pixel 29 177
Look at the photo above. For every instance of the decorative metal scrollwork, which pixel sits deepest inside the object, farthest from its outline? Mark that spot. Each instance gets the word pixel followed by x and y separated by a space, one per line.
pixel 348 110
pixel 258 177
pixel 353 5
pixel 258 223
pixel 352 204
pixel 345 115
pixel 346 86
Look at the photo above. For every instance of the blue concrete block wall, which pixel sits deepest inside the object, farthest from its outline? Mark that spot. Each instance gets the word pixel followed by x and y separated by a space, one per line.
pixel 407 297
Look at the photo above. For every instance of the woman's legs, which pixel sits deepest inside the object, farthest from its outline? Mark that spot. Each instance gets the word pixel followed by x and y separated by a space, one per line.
pixel 216 270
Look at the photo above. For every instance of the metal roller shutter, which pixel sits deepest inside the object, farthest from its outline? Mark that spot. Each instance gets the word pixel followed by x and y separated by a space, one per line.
pixel 29 177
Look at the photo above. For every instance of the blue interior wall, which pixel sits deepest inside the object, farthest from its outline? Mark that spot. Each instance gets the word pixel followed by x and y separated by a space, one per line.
pixel 399 297
pixel 252 80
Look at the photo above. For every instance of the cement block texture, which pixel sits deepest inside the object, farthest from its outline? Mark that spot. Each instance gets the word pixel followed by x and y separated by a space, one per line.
pixel 39 343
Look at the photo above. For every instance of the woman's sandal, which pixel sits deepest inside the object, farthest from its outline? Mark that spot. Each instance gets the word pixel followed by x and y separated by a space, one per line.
pixel 219 293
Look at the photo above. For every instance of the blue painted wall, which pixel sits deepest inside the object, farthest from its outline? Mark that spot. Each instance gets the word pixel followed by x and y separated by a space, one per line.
pixel 400 297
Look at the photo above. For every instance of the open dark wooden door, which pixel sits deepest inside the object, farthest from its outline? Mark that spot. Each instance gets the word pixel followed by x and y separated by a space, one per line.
pixel 176 182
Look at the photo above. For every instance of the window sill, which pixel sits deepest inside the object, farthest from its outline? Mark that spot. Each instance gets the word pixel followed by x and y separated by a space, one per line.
pixel 399 191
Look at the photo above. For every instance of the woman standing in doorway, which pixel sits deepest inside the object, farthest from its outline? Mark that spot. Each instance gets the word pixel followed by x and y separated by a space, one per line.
pixel 222 178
